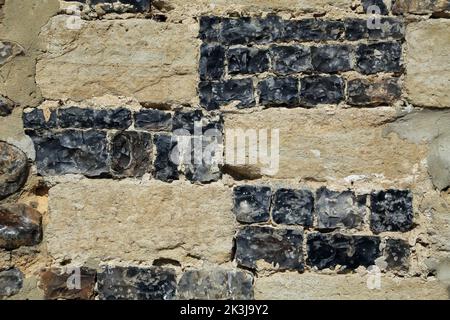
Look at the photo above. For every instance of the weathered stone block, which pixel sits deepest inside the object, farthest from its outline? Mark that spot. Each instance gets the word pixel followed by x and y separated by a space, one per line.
pixel 75 117
pixel 427 70
pixel 136 283
pixel 313 30
pixel 11 281
pixel 131 153
pixel 293 207
pixel 251 30
pixel 258 246
pixel 35 118
pixel 215 284
pixel 389 28
pixel 75 283
pixel 373 92
pixel 247 60
pixel 210 28
pixel 165 168
pixel 181 221
pixel 126 5
pixel 71 151
pixel 114 118
pixel 339 209
pixel 195 122
pixel 89 67
pixel 20 225
pixel 316 90
pixel 420 6
pixel 379 57
pixel 378 3
pixel 290 59
pixel 278 91
pixel 13 169
pixel 6 106
pixel 330 250
pixel 396 254
pixel 331 58
pixel 213 95
pixel 212 62
pixel 153 120
pixel 392 210
pixel 252 203
pixel 9 50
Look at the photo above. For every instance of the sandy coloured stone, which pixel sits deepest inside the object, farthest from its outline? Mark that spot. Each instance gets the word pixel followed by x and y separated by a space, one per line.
pixel 106 220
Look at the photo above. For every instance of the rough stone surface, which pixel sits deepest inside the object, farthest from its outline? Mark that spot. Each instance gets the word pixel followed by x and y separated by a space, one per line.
pixel 339 209
pixel 20 225
pixel 438 161
pixel 428 71
pixel 293 207
pixel 313 30
pixel 13 169
pixel 6 106
pixel 331 250
pixel 379 57
pixel 247 60
pixel 369 92
pixel 316 90
pixel 278 91
pixel 153 120
pixel 135 283
pixel 216 94
pixel 151 220
pixel 36 118
pixel 59 283
pixel 71 151
pixel 258 247
pixel 391 210
pixel 75 117
pixel 290 59
pixel 212 62
pixel 165 168
pixel 378 3
pixel 131 154
pixel 252 203
pixel 420 6
pixel 313 286
pixel 250 30
pixel 326 143
pixel 95 60
pixel 331 58
pixel 125 5
pixel 396 254
pixel 215 284
pixel 8 50
pixel 11 282
pixel 188 121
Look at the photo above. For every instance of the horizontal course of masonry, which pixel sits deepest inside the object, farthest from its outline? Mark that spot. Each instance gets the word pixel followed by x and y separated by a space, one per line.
pixel 118 142
pixel 275 62
pixel 389 211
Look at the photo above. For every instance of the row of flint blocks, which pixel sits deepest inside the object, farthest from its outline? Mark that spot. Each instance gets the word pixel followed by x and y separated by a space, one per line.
pixel 115 142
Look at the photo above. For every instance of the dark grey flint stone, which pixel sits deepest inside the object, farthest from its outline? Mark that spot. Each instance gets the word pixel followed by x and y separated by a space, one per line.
pixel 13 169
pixel 195 122
pixel 71 151
pixel 6 106
pixel 330 250
pixel 331 58
pixel 379 57
pixel 204 167
pixel 339 209
pixel 35 119
pixel 379 3
pixel 136 5
pixel 212 62
pixel 135 283
pixel 216 284
pixel 290 59
pixel 113 118
pixel 392 210
pixel 278 91
pixel 316 90
pixel 165 169
pixel 153 120
pixel 75 117
pixel 11 281
pixel 210 28
pixel 396 254
pixel 213 95
pixel 293 207
pixel 252 203
pixel 366 92
pixel 247 60
pixel 390 28
pixel 20 225
pixel 313 30
pixel 280 247
pixel 84 118
pixel 131 154
pixel 251 30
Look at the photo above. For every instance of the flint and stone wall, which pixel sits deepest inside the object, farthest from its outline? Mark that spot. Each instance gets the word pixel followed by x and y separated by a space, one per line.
pixel 93 92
